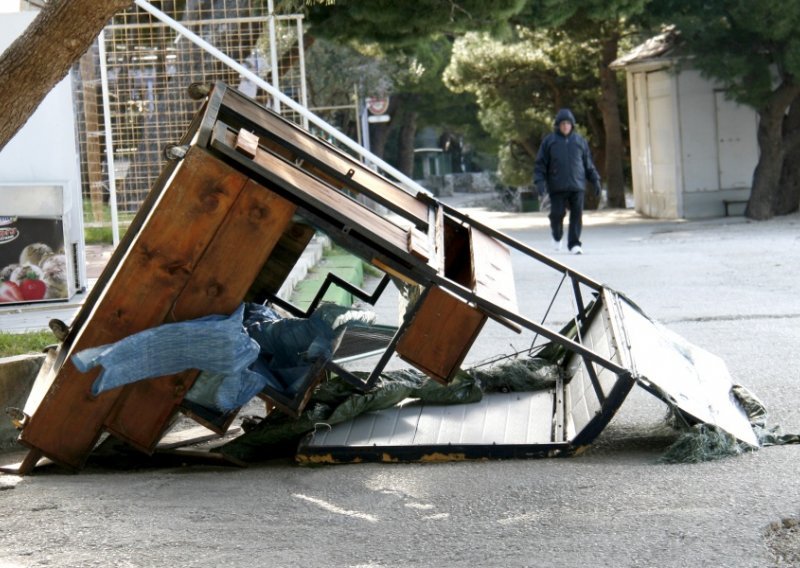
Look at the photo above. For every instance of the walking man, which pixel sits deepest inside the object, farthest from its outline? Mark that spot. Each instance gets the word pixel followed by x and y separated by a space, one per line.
pixel 563 165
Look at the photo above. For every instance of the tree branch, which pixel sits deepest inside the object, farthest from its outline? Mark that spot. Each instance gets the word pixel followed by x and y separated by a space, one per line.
pixel 42 56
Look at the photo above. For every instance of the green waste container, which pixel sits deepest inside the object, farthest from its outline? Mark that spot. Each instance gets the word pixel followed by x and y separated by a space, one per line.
pixel 528 201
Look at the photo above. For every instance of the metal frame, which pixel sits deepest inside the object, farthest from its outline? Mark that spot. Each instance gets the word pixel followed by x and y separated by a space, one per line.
pixel 222 121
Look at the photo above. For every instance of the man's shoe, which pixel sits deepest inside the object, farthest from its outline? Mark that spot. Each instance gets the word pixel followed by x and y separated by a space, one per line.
pixel 557 245
pixel 576 250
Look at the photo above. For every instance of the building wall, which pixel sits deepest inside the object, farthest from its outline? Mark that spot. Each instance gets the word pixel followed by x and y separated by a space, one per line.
pixel 44 151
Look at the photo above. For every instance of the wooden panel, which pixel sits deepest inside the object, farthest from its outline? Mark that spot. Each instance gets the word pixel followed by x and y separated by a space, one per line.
pixel 419 245
pixel 68 420
pixel 247 143
pixel 355 216
pixel 218 283
pixel 363 180
pixel 494 276
pixel 440 335
pixel 281 262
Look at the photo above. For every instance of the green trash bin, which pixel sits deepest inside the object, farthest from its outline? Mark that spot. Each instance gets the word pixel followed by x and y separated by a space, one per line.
pixel 528 201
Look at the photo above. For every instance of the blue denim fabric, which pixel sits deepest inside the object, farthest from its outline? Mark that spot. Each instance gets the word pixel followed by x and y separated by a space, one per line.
pixel 218 344
pixel 238 355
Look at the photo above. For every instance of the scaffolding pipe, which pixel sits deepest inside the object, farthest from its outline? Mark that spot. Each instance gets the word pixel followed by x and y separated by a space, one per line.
pixel 409 184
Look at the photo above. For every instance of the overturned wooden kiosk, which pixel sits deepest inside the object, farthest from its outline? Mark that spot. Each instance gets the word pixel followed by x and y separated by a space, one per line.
pixel 235 206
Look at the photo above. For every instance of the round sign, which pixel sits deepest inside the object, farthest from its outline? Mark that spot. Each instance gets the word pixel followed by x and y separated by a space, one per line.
pixel 377 105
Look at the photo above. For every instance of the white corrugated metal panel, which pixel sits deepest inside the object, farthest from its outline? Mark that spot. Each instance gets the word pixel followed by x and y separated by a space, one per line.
pixel 499 418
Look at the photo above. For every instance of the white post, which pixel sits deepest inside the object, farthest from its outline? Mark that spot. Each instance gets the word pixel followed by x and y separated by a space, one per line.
pixel 410 184
pixel 301 50
pixel 112 174
pixel 273 54
pixel 357 108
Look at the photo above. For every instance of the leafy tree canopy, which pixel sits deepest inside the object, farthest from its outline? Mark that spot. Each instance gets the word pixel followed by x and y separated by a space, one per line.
pixel 403 23
pixel 516 82
pixel 749 45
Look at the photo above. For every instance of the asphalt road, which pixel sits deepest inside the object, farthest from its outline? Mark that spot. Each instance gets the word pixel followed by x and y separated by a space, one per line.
pixel 730 286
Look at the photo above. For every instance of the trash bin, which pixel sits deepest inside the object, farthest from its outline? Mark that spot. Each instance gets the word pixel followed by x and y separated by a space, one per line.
pixel 528 201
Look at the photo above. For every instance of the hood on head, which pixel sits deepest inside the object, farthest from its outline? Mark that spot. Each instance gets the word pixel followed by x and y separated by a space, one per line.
pixel 564 114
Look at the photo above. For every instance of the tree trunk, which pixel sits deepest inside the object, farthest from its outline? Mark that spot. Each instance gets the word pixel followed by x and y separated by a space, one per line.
pixel 43 55
pixel 788 197
pixel 609 107
pixel 767 175
pixel 408 130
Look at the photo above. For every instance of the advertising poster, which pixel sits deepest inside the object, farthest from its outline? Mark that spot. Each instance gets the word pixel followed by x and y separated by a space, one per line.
pixel 33 266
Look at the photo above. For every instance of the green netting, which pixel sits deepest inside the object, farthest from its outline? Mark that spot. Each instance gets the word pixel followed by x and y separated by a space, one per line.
pixel 705 442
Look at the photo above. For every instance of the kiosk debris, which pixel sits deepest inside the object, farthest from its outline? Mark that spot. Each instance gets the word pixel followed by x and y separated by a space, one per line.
pixel 222 228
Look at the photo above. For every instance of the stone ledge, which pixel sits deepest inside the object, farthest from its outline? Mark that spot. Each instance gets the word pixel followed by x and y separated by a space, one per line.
pixel 17 375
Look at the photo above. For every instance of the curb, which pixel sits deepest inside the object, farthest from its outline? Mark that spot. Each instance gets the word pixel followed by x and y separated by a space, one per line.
pixel 348 267
pixel 17 375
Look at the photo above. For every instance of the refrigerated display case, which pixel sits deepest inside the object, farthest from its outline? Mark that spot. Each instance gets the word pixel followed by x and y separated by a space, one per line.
pixel 41 245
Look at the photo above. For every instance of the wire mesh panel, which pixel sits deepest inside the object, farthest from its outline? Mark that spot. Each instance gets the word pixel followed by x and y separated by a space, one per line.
pixel 149 67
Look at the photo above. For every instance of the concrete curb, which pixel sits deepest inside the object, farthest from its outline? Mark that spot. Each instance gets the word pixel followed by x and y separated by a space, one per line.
pixel 17 375
pixel 348 267
pixel 307 261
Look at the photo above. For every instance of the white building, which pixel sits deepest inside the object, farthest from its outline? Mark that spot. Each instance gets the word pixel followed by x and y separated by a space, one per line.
pixel 40 183
pixel 693 151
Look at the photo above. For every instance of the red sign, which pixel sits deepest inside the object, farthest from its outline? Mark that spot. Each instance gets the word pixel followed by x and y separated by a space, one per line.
pixel 377 105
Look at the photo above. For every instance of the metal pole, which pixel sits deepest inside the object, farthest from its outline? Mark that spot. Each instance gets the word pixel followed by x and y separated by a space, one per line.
pixel 273 54
pixel 364 113
pixel 112 176
pixel 410 184
pixel 301 50
pixel 356 106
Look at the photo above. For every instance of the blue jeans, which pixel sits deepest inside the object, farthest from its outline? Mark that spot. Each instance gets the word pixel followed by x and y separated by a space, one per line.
pixel 559 201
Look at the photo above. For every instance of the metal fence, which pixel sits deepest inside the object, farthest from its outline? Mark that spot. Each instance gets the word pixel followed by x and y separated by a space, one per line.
pixel 131 88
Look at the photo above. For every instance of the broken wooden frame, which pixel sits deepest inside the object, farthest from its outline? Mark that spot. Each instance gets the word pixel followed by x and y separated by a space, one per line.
pixel 227 220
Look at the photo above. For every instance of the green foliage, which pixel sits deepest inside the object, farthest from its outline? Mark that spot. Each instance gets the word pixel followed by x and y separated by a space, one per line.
pixel 406 23
pixel 584 16
pixel 749 46
pixel 516 83
pixel 21 343
pixel 411 43
pixel 101 235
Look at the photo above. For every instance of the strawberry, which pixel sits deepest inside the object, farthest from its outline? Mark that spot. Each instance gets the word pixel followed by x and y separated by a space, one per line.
pixel 33 289
pixel 10 292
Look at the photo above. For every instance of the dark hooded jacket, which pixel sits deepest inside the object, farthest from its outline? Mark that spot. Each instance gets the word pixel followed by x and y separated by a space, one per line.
pixel 564 163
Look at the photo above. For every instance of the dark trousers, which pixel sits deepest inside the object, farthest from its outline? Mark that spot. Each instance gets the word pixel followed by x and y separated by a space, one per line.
pixel 559 202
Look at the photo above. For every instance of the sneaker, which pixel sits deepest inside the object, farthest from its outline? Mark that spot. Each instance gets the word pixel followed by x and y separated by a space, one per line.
pixel 576 250
pixel 557 245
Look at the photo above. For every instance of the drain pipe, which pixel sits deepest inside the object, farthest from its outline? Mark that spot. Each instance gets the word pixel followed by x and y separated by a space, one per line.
pixel 410 185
